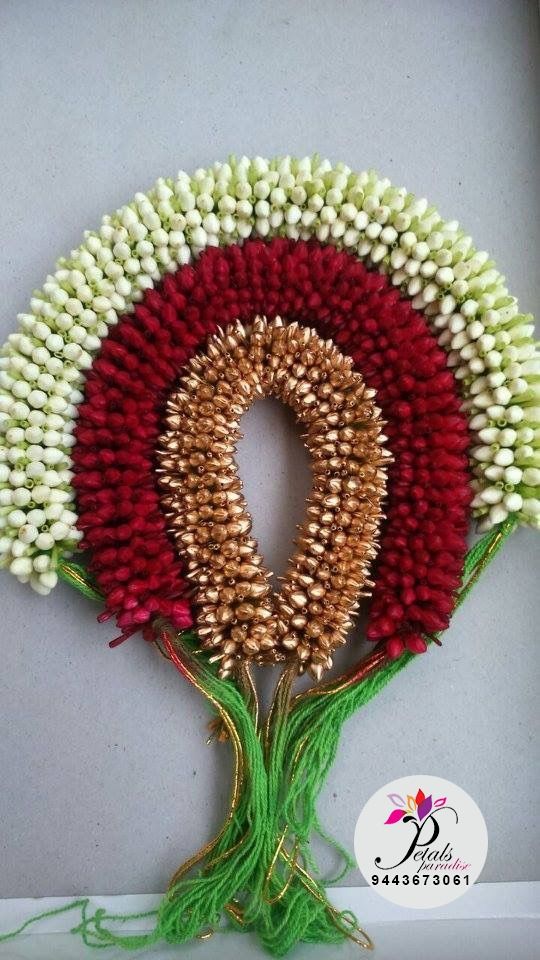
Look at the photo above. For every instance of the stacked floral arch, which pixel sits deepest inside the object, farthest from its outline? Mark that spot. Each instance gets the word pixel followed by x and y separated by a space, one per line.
pixel 417 379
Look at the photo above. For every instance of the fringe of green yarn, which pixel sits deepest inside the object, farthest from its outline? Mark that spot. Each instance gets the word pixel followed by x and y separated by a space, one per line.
pixel 317 720
pixel 236 871
pixel 237 881
pixel 260 876
pixel 196 904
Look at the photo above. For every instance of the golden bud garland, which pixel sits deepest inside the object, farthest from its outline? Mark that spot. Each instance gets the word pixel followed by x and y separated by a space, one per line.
pixel 238 614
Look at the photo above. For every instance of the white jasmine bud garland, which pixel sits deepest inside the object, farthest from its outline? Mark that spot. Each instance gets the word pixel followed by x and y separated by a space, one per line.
pixel 432 262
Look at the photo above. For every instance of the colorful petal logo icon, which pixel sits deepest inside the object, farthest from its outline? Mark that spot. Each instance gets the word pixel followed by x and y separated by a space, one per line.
pixel 418 807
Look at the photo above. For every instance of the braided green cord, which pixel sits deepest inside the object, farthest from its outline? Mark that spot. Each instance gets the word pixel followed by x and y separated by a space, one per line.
pixel 78 577
pixel 483 553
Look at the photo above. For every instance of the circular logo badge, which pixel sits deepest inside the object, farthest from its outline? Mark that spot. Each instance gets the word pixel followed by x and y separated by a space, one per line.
pixel 421 841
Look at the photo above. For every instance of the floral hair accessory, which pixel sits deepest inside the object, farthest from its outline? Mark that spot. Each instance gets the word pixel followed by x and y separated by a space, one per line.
pixel 415 380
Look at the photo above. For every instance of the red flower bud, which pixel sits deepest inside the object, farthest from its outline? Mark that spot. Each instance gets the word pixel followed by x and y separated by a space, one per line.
pixel 394 647
pixel 415 643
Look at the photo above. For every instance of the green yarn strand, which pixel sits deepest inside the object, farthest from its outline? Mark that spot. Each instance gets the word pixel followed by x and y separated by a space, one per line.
pixel 259 874
pixel 78 577
pixel 73 905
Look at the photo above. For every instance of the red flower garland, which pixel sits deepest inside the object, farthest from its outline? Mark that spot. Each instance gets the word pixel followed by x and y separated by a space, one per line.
pixel 424 537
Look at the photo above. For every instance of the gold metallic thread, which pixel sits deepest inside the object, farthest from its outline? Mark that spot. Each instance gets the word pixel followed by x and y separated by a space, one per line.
pixel 480 566
pixel 175 653
pixel 271 869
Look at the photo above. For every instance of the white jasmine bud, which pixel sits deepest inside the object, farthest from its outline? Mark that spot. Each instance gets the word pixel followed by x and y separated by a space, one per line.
pixel 21 497
pixel 21 567
pixel 36 517
pixel 483 453
pixel 488 434
pixel 507 437
pixel 44 541
pixel 513 502
pixel 491 495
pixel 53 511
pixel 494 472
pixel 514 414
pixel 16 518
pixel 498 514
pixel 531 477
pixel 28 533
pixel 48 579
pixel 504 457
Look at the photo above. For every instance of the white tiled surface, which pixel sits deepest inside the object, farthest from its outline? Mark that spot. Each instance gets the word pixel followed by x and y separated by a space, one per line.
pixel 495 921
pixel 445 939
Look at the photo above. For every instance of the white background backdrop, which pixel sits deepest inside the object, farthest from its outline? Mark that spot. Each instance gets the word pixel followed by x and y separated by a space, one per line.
pixel 106 783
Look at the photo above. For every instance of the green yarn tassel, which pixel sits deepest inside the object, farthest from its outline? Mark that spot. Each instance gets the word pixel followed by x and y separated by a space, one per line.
pixel 258 875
